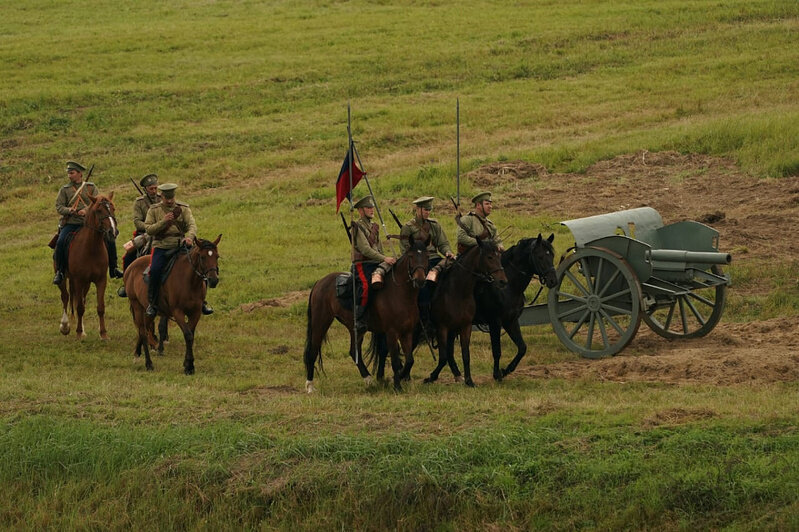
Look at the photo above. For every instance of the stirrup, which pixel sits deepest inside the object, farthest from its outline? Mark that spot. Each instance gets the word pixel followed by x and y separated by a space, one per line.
pixel 207 309
pixel 377 280
pixel 151 311
pixel 432 276
pixel 121 292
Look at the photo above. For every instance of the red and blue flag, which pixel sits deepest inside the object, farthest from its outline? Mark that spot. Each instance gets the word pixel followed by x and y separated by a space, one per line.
pixel 343 182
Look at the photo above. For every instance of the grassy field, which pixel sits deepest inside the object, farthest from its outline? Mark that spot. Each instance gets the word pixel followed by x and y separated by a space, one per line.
pixel 244 104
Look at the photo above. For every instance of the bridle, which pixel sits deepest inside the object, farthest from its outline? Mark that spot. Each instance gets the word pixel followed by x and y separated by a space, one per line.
pixel 538 270
pixel 411 268
pixel 109 233
pixel 484 276
pixel 200 259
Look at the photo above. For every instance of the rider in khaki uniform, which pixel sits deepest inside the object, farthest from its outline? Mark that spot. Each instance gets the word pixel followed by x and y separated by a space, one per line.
pixel 71 204
pixel 478 224
pixel 170 224
pixel 149 184
pixel 439 245
pixel 368 260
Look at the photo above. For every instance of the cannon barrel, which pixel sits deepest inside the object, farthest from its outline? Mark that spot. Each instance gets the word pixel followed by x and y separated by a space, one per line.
pixel 677 255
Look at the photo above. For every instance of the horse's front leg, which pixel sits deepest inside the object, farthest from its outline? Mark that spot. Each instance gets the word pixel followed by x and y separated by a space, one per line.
pixel 356 353
pixel 188 336
pixel 163 334
pixel 100 287
pixel 64 327
pixel 514 331
pixel 451 362
pixel 406 343
pixel 396 360
pixel 81 292
pixel 466 334
pixel 443 355
pixel 494 331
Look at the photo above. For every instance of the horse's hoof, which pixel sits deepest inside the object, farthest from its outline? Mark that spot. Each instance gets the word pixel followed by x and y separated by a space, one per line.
pixel 498 376
pixel 368 381
pixel 458 378
pixel 309 388
pixel 469 383
pixel 81 336
pixel 189 371
pixel 428 380
pixel 104 337
pixel 64 330
pixel 149 367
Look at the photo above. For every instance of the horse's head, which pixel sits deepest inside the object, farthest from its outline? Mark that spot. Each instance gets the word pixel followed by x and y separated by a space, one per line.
pixel 537 256
pixel 490 262
pixel 418 260
pixel 100 215
pixel 206 260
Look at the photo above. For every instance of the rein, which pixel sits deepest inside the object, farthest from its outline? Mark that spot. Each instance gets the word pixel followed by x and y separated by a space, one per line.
pixel 100 218
pixel 488 277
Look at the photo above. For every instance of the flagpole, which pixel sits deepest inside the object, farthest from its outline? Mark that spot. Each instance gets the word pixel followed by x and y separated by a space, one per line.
pixel 354 236
pixel 377 209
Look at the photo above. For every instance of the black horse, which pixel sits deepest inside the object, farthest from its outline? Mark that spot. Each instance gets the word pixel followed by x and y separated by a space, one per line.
pixel 501 309
pixel 498 308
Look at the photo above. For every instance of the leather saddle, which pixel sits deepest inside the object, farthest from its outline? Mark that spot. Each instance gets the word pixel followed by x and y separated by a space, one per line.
pixel 171 257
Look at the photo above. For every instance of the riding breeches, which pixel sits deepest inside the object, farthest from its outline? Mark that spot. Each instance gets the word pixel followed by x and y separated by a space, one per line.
pixel 61 249
pixel 158 261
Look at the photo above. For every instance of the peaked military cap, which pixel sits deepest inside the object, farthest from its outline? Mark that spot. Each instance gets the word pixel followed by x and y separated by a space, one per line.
pixel 168 190
pixel 482 196
pixel 425 202
pixel 149 179
pixel 366 201
pixel 72 165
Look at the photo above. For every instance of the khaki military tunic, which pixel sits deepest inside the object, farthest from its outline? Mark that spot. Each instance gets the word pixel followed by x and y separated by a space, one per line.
pixel 82 201
pixel 367 241
pixel 438 240
pixel 479 226
pixel 140 208
pixel 182 227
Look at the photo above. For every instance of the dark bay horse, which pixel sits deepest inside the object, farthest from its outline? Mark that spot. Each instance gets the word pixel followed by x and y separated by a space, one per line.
pixel 453 306
pixel 393 310
pixel 181 296
pixel 87 263
pixel 500 309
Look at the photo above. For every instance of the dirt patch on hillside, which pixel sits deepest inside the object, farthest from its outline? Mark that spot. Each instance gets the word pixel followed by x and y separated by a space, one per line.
pixel 757 219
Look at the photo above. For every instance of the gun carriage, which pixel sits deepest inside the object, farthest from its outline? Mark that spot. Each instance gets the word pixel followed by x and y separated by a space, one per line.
pixel 626 267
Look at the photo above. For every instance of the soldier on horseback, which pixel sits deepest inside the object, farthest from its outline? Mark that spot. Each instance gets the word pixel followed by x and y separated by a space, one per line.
pixel 477 223
pixel 138 246
pixel 422 224
pixel 71 204
pixel 368 260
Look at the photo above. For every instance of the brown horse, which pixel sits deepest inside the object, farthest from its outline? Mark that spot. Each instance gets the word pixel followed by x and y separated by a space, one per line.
pixel 393 310
pixel 87 263
pixel 453 306
pixel 181 296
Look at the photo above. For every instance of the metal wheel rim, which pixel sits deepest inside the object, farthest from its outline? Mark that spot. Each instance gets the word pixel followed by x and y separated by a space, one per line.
pixel 690 316
pixel 599 314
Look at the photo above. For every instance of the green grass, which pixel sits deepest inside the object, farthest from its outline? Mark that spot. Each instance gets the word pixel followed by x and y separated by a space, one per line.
pixel 244 105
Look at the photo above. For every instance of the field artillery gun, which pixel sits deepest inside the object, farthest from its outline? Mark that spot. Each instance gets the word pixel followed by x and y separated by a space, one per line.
pixel 627 266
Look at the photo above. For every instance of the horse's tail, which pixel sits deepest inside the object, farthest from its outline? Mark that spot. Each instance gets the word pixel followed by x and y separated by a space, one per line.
pixel 312 354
